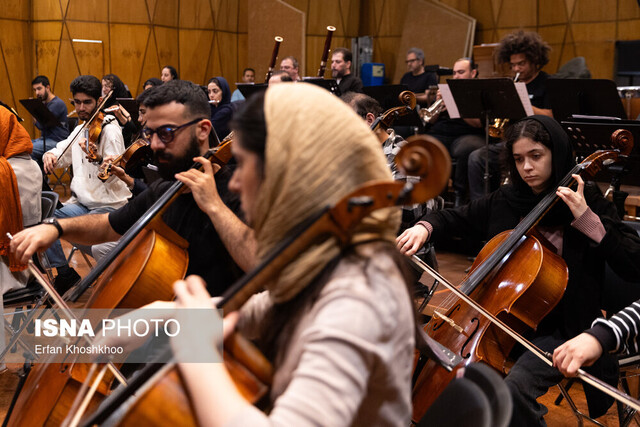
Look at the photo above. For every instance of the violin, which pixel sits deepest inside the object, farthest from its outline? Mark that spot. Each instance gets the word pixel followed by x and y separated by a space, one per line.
pixel 515 281
pixel 91 130
pixel 158 393
pixel 135 156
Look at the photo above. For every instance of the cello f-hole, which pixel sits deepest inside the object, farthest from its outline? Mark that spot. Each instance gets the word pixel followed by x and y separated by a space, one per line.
pixel 477 322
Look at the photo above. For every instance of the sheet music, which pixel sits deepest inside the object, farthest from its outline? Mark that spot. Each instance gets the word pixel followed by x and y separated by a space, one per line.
pixel 521 88
pixel 452 108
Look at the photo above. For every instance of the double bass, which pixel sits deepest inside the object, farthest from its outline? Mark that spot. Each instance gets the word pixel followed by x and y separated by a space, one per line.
pixel 515 281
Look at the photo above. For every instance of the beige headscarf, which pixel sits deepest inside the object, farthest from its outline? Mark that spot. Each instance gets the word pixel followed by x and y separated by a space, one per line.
pixel 317 151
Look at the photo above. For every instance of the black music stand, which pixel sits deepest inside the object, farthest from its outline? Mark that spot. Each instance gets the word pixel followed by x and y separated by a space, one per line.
pixel 588 135
pixel 248 89
pixel 486 99
pixel 329 84
pixel 41 113
pixel 593 97
pixel 131 105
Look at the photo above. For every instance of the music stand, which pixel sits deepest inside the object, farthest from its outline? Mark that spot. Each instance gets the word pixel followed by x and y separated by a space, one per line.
pixel 593 97
pixel 248 89
pixel 131 105
pixel 486 99
pixel 329 84
pixel 41 113
pixel 588 135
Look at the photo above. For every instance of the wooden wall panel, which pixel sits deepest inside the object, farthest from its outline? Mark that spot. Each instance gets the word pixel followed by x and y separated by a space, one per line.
pixel 552 12
pixel 628 9
pixel 46 10
pixel 15 44
pixel 270 18
pixel 228 45
pixel 166 13
pixel 226 16
pixel 192 59
pixel 128 11
pixel 594 10
pixel 196 14
pixel 629 30
pixel 439 19
pixel 14 10
pixel 128 44
pixel 92 58
pixel 88 10
pixel 151 65
pixel 167 47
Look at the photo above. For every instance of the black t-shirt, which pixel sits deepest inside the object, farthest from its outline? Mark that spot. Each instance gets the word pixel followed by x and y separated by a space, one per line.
pixel 208 256
pixel 419 83
pixel 350 83
pixel 537 89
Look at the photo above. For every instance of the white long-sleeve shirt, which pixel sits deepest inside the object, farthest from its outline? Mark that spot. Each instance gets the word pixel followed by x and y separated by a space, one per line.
pixel 86 188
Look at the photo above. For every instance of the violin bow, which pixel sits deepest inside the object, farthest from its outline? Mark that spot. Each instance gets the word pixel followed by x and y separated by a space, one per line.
pixel 84 125
pixel 544 356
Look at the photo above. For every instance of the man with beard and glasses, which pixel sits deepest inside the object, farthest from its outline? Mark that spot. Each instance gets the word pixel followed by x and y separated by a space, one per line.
pixel 178 129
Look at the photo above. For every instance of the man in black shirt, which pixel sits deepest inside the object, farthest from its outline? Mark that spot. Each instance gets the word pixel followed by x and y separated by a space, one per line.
pixel 341 71
pixel 526 53
pixel 416 79
pixel 178 129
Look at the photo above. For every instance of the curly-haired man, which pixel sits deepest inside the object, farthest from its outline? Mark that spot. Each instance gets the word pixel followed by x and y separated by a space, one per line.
pixel 527 53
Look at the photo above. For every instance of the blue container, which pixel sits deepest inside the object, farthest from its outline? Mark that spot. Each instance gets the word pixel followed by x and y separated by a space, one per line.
pixel 372 74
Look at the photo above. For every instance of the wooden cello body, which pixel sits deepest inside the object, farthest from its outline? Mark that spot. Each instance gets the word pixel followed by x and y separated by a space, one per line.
pixel 144 272
pixel 521 291
pixel 516 280
pixel 139 270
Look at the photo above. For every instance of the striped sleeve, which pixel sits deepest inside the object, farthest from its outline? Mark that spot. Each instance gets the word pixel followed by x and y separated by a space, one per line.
pixel 624 326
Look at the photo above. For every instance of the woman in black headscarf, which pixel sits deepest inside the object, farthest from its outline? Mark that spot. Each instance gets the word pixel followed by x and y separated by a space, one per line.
pixel 221 111
pixel 585 230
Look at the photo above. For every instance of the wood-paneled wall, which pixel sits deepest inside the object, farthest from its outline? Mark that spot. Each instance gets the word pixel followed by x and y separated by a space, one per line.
pixel 205 38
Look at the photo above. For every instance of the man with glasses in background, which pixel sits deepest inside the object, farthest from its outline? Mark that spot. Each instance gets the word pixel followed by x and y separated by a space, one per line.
pixel 416 78
pixel 178 129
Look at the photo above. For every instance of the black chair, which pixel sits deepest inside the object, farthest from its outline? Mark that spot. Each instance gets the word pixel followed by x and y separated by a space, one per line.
pixel 26 301
pixel 487 401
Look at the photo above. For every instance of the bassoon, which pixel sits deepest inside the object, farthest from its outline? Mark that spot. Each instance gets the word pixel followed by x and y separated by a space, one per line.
pixel 325 52
pixel 274 57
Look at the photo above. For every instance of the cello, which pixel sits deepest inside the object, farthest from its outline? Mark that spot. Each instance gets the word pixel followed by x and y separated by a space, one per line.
pixel 514 279
pixel 338 220
pixel 149 257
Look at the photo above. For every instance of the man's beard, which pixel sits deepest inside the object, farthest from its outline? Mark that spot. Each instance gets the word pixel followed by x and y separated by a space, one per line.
pixel 176 164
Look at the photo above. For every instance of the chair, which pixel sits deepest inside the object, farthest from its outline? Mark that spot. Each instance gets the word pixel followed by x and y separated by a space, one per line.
pixel 26 301
pixel 487 401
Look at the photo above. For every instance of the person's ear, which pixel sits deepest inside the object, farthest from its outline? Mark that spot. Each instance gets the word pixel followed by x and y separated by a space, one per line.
pixel 203 129
pixel 474 73
pixel 370 118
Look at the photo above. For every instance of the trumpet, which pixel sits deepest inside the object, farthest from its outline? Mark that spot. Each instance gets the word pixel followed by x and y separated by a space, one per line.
pixel 496 130
pixel 428 114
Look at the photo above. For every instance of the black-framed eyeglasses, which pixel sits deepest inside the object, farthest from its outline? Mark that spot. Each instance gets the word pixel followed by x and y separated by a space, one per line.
pixel 166 133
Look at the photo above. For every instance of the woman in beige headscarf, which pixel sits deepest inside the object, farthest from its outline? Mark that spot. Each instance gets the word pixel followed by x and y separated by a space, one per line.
pixel 336 322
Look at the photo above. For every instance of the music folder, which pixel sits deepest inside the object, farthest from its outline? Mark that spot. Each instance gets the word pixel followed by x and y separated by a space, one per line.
pixel 490 98
pixel 248 89
pixel 593 97
pixel 40 112
pixel 131 105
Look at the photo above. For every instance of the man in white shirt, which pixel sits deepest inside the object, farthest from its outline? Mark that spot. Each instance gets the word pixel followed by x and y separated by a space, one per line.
pixel 88 193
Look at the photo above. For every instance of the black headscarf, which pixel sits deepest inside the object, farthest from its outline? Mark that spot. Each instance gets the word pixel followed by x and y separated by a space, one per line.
pixel 518 193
